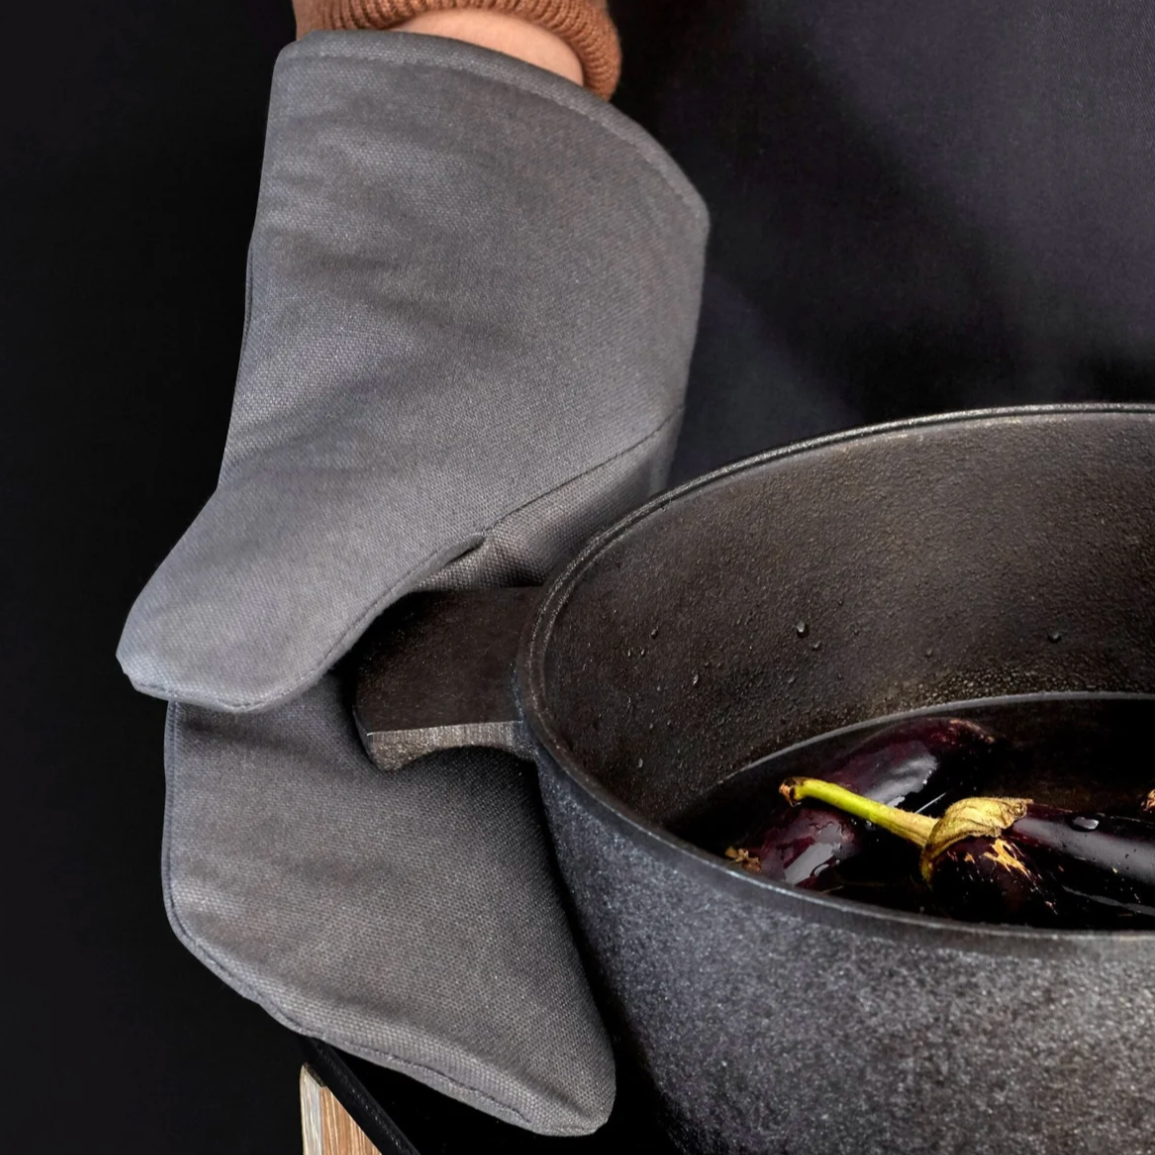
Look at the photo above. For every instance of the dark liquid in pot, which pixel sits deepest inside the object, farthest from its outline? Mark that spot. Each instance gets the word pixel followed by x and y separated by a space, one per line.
pixel 1084 754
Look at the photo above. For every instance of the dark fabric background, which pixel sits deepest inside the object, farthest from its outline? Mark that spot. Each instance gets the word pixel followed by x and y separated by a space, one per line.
pixel 917 207
pixel 132 136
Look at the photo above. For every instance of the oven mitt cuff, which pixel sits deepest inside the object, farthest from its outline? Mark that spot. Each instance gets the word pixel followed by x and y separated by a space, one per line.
pixel 472 296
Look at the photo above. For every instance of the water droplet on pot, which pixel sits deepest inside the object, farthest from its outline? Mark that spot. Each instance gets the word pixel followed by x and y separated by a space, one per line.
pixel 654 632
pixel 790 680
pixel 642 652
pixel 696 678
pixel 641 763
pixel 930 653
pixel 801 629
pixel 816 645
pixel 1054 636
pixel 1083 822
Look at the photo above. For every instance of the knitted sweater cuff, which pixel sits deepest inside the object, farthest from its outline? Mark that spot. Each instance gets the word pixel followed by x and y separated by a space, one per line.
pixel 584 25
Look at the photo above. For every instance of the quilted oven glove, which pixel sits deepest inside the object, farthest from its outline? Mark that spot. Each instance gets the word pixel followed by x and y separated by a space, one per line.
pixel 472 295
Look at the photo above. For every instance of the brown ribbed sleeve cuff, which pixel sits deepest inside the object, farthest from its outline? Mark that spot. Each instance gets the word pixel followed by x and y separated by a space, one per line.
pixel 584 25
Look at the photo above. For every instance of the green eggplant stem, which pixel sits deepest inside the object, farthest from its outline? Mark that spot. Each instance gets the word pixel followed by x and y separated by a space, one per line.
pixel 914 828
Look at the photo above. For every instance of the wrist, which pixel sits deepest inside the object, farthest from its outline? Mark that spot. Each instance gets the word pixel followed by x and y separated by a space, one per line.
pixel 501 32
pixel 572 38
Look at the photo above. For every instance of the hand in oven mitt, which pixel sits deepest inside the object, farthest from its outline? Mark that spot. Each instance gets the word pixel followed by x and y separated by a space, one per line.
pixel 473 291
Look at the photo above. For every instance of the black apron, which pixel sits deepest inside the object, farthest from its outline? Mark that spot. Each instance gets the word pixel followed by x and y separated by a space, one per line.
pixel 917 206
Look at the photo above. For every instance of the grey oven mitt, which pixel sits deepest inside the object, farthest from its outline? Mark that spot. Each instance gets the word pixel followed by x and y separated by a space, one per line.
pixel 472 296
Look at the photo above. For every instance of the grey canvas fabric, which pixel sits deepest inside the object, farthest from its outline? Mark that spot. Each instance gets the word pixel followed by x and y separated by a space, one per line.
pixel 473 292
pixel 470 284
pixel 412 919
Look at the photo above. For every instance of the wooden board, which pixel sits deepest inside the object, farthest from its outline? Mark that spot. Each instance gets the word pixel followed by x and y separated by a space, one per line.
pixel 325 1125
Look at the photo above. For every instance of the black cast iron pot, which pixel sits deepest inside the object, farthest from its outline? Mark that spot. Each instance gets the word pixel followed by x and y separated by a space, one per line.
pixel 934 562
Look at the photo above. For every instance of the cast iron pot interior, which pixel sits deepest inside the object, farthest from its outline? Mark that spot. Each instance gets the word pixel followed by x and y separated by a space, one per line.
pixel 846 580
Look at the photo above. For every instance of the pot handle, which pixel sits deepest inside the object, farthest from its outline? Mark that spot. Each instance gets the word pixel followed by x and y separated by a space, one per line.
pixel 436 672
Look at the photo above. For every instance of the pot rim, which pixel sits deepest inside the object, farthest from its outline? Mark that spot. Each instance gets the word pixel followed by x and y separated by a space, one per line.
pixel 765 894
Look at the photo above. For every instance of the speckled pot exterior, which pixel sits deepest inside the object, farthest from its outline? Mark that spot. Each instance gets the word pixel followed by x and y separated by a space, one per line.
pixel 933 562
pixel 769 1026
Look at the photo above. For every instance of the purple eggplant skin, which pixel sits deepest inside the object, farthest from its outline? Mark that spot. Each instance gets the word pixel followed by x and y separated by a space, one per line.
pixel 921 764
pixel 1102 865
pixel 1051 868
pixel 985 879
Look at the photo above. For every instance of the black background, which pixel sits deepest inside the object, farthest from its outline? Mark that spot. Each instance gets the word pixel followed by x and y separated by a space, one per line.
pixel 131 147
pixel 132 137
